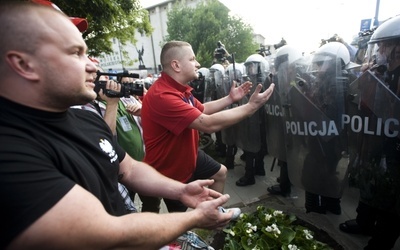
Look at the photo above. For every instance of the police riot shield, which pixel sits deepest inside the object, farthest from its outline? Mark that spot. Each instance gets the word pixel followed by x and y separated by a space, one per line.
pixel 221 87
pixel 274 111
pixel 274 123
pixel 250 136
pixel 316 142
pixel 375 147
pixel 249 129
pixel 209 87
pixel 214 82
pixel 229 135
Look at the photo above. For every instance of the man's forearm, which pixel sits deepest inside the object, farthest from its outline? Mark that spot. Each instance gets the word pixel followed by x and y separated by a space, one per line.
pixel 144 179
pixel 110 116
pixel 217 105
pixel 159 225
pixel 226 118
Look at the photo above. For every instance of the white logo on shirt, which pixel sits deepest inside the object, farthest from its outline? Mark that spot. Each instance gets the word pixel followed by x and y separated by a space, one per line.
pixel 108 149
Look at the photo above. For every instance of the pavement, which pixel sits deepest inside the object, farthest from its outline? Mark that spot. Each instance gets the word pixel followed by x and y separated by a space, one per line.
pixel 246 196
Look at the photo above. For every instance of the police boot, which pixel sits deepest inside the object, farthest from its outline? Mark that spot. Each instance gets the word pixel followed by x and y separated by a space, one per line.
pixel 248 178
pixel 230 157
pixel 220 147
pixel 259 164
pixel 314 203
pixel 332 205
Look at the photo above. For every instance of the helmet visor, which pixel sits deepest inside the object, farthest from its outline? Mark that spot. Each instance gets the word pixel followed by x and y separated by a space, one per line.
pixel 385 54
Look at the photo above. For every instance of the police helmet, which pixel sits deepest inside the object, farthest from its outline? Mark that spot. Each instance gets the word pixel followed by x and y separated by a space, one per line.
pixel 387 31
pixel 204 72
pixel 287 53
pixel 230 73
pixel 333 50
pixel 217 68
pixel 384 45
pixel 256 64
pixel 217 72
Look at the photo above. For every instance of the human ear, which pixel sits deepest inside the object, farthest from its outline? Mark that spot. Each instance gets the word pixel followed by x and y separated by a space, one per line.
pixel 22 64
pixel 175 65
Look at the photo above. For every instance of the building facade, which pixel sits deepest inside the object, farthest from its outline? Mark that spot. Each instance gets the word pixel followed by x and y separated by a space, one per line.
pixel 151 45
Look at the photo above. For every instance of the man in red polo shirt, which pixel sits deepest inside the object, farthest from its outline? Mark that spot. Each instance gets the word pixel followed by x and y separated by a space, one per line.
pixel 172 119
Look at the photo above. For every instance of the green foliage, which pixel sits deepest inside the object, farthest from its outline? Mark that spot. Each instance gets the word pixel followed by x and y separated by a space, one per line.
pixel 207 24
pixel 269 229
pixel 108 19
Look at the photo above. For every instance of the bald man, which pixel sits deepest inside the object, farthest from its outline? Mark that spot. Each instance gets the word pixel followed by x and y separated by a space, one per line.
pixel 59 166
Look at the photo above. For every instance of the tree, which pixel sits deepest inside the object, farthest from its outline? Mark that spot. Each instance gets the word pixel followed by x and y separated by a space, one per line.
pixel 108 19
pixel 207 24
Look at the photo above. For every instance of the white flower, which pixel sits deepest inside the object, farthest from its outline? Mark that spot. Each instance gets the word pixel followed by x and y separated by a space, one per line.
pixel 268 229
pixel 277 212
pixel 268 217
pixel 249 241
pixel 231 232
pixel 292 247
pixel 308 234
pixel 276 229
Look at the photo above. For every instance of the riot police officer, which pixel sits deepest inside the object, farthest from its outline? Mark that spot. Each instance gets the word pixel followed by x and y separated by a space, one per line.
pixel 375 157
pixel 233 72
pixel 252 138
pixel 315 136
pixel 287 63
pixel 217 81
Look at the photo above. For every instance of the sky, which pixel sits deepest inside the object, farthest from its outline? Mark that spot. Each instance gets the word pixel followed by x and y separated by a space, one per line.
pixel 303 23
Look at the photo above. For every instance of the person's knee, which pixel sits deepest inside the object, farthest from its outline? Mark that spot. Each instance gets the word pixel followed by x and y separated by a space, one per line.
pixel 221 174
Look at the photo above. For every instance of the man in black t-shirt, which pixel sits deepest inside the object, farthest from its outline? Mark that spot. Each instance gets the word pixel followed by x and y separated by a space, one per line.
pixel 60 167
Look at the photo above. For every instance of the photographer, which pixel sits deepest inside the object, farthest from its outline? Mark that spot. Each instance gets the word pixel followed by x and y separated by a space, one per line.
pixel 122 109
pixel 122 114
pixel 221 55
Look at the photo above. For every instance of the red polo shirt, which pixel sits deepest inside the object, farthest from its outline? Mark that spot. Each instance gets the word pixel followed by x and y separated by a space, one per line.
pixel 168 109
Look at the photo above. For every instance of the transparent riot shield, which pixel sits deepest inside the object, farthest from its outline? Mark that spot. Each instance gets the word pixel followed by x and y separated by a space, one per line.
pixel 249 129
pixel 221 87
pixel 274 123
pixel 274 111
pixel 374 125
pixel 316 141
pixel 229 135
pixel 209 88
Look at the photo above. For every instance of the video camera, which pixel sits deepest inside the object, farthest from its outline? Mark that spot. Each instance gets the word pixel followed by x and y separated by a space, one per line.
pixel 220 53
pixel 364 37
pixel 127 88
pixel 280 44
pixel 264 51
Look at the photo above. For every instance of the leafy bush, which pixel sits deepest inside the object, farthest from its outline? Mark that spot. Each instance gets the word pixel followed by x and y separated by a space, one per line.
pixel 267 229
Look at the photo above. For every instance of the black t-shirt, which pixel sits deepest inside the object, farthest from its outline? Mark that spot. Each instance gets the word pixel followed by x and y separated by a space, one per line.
pixel 44 154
